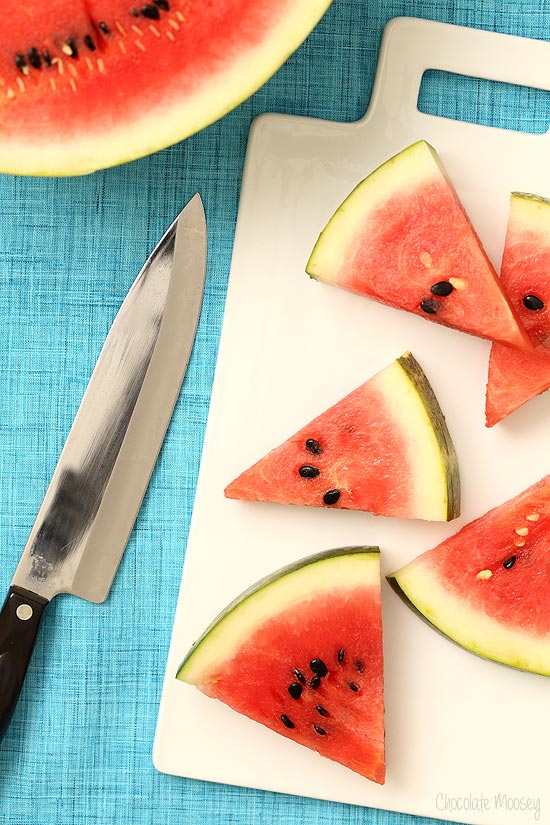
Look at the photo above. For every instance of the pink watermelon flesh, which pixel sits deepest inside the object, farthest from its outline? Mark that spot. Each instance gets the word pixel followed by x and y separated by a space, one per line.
pixel 274 650
pixel 375 450
pixel 514 376
pixel 402 237
pixel 360 421
pixel 487 587
pixel 312 672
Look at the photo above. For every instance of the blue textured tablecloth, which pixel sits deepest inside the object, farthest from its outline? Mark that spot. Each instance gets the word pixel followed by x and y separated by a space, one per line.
pixel 79 747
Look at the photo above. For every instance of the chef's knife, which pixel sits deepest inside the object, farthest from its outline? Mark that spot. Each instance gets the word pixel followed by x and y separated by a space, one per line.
pixel 90 506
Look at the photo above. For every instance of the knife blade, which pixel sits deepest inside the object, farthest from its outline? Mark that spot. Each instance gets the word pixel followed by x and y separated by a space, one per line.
pixel 82 527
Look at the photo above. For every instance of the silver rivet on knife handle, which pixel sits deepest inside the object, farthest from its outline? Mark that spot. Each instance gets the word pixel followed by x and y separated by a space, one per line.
pixel 24 612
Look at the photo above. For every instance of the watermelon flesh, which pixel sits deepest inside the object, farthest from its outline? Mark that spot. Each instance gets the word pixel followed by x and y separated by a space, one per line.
pixel 515 377
pixel 487 587
pixel 90 84
pixel 384 448
pixel 402 237
pixel 301 653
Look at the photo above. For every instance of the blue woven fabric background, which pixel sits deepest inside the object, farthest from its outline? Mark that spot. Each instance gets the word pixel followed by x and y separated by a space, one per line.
pixel 79 748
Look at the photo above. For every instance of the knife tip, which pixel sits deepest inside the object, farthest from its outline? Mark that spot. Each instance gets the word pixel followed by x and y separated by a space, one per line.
pixel 193 214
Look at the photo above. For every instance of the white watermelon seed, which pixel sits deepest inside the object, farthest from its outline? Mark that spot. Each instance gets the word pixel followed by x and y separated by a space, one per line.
pixel 426 259
pixel 458 283
pixel 484 574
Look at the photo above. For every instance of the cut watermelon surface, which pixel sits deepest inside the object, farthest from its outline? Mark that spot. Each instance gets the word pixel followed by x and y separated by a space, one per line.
pixel 402 237
pixel 515 377
pixel 384 448
pixel 488 586
pixel 90 83
pixel 301 653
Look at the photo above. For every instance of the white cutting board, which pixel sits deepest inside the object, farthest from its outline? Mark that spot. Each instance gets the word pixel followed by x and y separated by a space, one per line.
pixel 466 738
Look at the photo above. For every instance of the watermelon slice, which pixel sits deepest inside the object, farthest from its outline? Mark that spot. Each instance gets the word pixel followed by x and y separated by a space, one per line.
pixel 487 587
pixel 384 448
pixel 86 84
pixel 403 238
pixel 514 376
pixel 301 653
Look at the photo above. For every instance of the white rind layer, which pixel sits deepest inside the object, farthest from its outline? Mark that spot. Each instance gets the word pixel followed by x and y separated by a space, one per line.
pixel 430 496
pixel 529 213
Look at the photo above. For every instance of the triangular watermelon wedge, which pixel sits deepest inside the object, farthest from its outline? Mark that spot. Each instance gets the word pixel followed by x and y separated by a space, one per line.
pixel 301 653
pixel 487 587
pixel 384 448
pixel 402 237
pixel 514 376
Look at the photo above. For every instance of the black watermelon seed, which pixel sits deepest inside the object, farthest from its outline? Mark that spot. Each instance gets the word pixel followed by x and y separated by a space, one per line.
pixel 315 682
pixel 353 686
pixel 151 12
pixel 89 43
pixel 442 289
pixel 313 446
pixel 134 12
pixel 533 303
pixel 162 4
pixel 300 676
pixel 295 690
pixel 320 709
pixel 430 306
pixel 318 729
pixel 47 58
pixel 307 471
pixel 318 667
pixel 72 46
pixel 20 62
pixel 340 655
pixel 331 496
pixel 34 58
pixel 288 723
pixel 359 665
pixel 508 563
pixel 104 27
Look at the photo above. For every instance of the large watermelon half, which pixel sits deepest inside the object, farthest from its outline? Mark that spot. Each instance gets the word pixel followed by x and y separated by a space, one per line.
pixel 86 84
pixel 488 586
pixel 514 376
pixel 384 448
pixel 403 238
pixel 301 652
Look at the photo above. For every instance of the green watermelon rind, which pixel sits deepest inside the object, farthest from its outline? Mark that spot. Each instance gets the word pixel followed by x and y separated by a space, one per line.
pixel 521 653
pixel 531 198
pixel 234 615
pixel 439 426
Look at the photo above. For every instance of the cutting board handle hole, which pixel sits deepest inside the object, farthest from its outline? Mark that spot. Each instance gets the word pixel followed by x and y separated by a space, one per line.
pixel 486 102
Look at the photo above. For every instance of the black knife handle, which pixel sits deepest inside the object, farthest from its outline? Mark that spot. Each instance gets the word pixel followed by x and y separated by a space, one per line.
pixel 19 622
